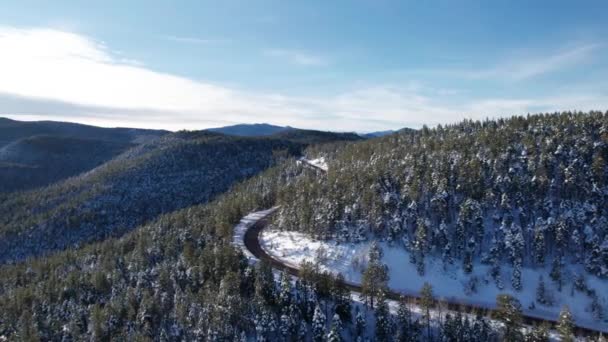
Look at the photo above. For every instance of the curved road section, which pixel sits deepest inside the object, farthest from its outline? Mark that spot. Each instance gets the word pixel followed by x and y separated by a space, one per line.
pixel 247 238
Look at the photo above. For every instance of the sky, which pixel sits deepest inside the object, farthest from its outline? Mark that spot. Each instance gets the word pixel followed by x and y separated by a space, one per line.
pixel 359 65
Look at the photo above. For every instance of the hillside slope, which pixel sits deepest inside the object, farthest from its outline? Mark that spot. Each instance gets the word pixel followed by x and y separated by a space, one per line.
pixel 38 153
pixel 41 160
pixel 499 204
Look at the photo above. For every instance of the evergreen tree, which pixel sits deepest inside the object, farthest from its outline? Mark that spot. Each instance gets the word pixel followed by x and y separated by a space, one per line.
pixel 318 325
pixel 404 321
pixel 375 277
pixel 383 320
pixel 359 324
pixel 426 302
pixel 335 330
pixel 539 333
pixel 509 313
pixel 285 290
pixel 539 246
pixel 541 292
pixel 565 325
pixel 556 271
pixel 341 298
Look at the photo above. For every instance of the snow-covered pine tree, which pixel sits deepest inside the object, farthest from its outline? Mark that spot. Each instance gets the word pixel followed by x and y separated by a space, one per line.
pixel 565 325
pixel 539 245
pixel 542 297
pixel 318 324
pixel 594 257
pixel 426 302
pixel 285 290
pixel 383 319
pixel 556 271
pixel 509 313
pixel 335 331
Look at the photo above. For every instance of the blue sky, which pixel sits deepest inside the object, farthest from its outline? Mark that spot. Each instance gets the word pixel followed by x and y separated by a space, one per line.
pixel 343 65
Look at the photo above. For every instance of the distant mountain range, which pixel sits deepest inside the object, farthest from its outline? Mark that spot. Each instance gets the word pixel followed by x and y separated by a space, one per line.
pixel 250 130
pixel 39 153
pixel 12 130
pixel 377 134
pixel 264 129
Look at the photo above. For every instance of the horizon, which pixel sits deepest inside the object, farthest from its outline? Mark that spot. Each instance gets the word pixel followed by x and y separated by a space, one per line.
pixel 355 66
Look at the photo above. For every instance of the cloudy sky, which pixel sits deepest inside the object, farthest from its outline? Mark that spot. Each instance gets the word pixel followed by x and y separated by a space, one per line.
pixel 358 65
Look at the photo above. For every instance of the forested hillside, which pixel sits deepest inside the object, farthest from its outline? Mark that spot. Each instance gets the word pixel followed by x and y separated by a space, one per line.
pixel 39 153
pixel 173 172
pixel 176 278
pixel 503 195
pixel 41 160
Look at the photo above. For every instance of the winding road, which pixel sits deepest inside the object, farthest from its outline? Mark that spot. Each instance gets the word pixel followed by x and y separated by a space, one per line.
pixel 251 242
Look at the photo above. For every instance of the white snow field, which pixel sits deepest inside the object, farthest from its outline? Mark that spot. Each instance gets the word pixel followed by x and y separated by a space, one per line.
pixel 349 259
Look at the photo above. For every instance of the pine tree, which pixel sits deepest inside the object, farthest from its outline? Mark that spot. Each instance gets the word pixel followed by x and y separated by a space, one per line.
pixel 334 334
pixel 383 323
pixel 404 321
pixel 421 244
pixel 539 246
pixel 509 313
pixel 556 272
pixel 426 302
pixel 596 308
pixel 264 284
pixel 565 325
pixel 318 325
pixel 541 292
pixel 341 297
pixel 446 256
pixel 375 277
pixel 359 324
pixel 539 333
pixel 285 290
pixel 516 276
pixel 302 331
pixel 593 259
pixel 286 326
pixel 467 261
pixel 27 327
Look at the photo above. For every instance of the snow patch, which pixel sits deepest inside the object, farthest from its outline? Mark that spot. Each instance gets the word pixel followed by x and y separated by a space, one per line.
pixel 319 163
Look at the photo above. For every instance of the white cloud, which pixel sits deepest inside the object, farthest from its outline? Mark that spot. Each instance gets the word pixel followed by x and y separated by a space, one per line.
pixel 531 66
pixel 60 75
pixel 297 57
pixel 523 66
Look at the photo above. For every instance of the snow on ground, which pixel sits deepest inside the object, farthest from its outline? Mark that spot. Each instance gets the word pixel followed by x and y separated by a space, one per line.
pixel 238 238
pixel 320 163
pixel 349 259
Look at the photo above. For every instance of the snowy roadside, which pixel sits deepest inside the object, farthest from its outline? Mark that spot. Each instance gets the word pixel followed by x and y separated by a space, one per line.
pixel 238 239
pixel 292 248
